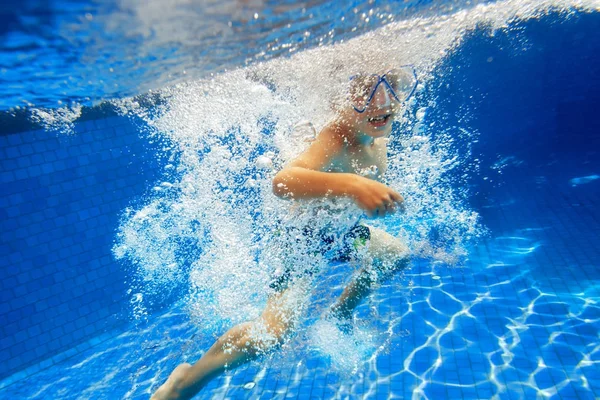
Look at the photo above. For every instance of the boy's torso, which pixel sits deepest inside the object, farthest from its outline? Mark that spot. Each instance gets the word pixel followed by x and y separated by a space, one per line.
pixel 369 161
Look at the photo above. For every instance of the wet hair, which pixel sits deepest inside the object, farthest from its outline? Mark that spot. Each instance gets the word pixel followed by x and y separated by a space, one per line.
pixel 338 99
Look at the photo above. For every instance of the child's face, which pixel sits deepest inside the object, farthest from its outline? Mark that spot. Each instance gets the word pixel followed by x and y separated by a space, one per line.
pixel 376 120
pixel 375 99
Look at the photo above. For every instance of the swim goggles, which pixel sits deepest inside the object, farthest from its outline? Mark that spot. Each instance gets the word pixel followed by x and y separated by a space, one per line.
pixel 400 82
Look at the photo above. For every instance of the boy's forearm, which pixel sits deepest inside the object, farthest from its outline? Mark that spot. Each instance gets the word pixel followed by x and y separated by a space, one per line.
pixel 303 183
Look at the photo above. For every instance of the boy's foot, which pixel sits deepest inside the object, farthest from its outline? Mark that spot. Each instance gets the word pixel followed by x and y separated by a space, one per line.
pixel 342 321
pixel 168 391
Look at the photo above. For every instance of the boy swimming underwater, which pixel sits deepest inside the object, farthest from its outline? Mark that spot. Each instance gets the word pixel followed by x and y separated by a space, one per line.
pixel 346 160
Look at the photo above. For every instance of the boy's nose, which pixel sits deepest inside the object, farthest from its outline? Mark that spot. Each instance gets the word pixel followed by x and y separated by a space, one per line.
pixel 382 98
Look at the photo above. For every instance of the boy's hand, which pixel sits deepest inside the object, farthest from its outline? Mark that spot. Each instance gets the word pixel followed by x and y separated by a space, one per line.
pixel 375 198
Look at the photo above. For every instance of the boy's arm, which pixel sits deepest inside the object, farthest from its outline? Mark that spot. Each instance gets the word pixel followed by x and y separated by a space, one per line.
pixel 300 182
pixel 303 179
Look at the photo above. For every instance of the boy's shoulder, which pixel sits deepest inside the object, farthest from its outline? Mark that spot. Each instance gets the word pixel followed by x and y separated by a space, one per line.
pixel 332 136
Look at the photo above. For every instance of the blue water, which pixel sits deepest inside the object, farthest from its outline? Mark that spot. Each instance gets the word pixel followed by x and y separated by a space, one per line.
pixel 60 51
pixel 518 318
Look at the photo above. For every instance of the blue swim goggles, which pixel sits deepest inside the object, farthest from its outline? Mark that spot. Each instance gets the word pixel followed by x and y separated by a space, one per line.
pixel 400 82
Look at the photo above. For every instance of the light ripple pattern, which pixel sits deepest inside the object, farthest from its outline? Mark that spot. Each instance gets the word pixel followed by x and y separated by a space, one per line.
pixel 490 330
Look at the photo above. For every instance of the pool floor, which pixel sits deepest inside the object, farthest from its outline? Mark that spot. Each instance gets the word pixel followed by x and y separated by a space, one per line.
pixel 519 321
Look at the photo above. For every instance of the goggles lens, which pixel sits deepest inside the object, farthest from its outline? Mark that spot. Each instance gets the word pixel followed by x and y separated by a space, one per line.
pixel 400 84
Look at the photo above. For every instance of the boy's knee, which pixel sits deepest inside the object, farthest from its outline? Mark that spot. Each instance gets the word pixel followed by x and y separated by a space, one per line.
pixel 280 331
pixel 264 336
pixel 391 264
pixel 389 255
pixel 385 247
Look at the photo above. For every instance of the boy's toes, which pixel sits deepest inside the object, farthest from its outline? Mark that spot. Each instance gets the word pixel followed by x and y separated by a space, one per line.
pixel 341 320
pixel 345 326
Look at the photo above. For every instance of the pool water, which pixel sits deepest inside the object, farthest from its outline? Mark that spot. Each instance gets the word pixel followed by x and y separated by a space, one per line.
pixel 106 257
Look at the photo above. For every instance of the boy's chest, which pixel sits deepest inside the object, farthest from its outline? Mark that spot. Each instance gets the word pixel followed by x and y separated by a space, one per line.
pixel 370 162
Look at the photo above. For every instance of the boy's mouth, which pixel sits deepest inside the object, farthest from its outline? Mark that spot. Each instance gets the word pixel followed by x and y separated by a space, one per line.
pixel 380 120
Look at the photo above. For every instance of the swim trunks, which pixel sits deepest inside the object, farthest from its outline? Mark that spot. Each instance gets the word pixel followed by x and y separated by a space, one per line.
pixel 322 242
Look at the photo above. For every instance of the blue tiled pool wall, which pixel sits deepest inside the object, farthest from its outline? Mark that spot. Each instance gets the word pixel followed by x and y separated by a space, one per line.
pixel 62 196
pixel 533 94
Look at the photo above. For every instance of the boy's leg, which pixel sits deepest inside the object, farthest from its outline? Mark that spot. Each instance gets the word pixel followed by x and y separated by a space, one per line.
pixel 386 255
pixel 239 345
